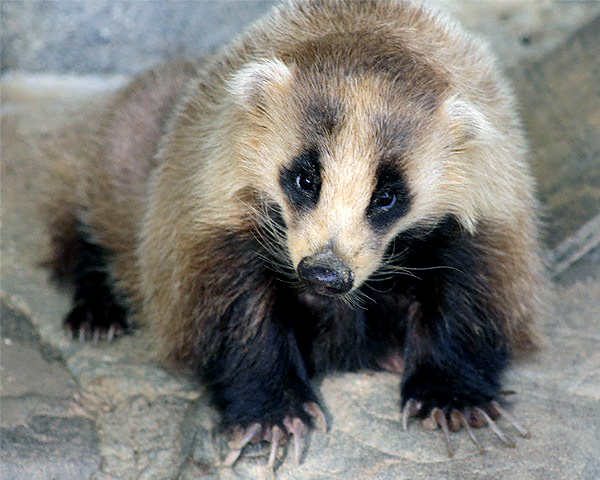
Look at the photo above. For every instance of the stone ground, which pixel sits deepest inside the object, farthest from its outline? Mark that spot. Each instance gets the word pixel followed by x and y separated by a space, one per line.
pixel 74 411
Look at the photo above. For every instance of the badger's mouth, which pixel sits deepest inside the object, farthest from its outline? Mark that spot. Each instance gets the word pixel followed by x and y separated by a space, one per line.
pixel 325 274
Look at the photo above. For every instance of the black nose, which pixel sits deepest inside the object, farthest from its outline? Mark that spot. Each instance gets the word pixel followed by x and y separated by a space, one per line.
pixel 326 273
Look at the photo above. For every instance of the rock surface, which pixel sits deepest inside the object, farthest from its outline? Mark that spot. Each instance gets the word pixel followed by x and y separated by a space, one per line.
pixel 105 411
pixel 44 433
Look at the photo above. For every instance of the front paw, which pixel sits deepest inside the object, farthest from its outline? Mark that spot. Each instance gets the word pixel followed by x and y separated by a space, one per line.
pixel 449 418
pixel 293 425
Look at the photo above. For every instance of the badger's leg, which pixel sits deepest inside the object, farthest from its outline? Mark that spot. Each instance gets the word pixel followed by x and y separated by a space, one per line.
pixel 260 385
pixel 230 323
pixel 96 313
pixel 453 383
pixel 455 348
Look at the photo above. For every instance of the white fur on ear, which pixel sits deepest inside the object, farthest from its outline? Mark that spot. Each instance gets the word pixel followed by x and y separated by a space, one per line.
pixel 250 84
pixel 469 121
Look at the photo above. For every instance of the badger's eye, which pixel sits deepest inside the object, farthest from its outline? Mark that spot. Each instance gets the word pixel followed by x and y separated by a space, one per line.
pixel 390 200
pixel 301 180
pixel 305 182
pixel 385 200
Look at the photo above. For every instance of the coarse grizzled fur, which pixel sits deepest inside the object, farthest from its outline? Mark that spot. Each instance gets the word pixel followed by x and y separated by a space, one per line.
pixel 344 187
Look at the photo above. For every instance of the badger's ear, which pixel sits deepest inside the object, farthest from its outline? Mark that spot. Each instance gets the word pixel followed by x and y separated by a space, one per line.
pixel 468 123
pixel 482 156
pixel 254 82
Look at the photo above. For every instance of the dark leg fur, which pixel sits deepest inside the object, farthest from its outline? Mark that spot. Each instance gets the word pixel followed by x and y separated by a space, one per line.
pixel 261 381
pixel 454 350
pixel 96 311
pixel 257 375
pixel 333 336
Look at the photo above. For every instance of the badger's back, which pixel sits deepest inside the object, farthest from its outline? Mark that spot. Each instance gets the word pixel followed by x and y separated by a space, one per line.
pixel 101 181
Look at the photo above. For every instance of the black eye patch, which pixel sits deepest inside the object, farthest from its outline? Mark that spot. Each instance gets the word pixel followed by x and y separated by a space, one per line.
pixel 301 181
pixel 390 200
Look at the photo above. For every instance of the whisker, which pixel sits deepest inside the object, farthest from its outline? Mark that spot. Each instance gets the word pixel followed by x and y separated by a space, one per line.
pixel 387 272
pixel 272 239
pixel 439 267
pixel 356 299
pixel 368 285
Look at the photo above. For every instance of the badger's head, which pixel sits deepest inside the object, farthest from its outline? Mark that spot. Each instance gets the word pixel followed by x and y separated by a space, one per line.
pixel 350 160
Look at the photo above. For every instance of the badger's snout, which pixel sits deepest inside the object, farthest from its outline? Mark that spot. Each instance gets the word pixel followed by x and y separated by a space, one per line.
pixel 326 273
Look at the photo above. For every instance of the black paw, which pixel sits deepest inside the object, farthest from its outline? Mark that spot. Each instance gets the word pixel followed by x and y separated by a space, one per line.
pixel 101 319
pixel 295 425
pixel 451 419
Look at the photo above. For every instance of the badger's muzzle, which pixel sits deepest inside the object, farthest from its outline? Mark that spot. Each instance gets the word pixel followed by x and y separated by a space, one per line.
pixel 326 273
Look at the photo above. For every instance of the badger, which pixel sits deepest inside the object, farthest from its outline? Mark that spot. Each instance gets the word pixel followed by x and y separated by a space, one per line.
pixel 344 187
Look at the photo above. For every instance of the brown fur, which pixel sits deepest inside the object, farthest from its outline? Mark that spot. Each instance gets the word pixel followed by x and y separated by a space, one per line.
pixel 183 153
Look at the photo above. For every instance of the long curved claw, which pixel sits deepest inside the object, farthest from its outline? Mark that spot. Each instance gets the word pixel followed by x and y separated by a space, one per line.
pixel 474 418
pixel 250 434
pixel 511 419
pixel 454 421
pixel 438 415
pixel 88 332
pixel 315 411
pixel 276 435
pixel 465 423
pixel 469 418
pixel 299 430
pixel 494 428
pixel 411 409
pixel 238 444
pixel 112 332
pixel 82 334
pixel 232 457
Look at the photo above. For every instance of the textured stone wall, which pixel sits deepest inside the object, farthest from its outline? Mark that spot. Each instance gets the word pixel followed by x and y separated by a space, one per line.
pixel 107 36
pixel 126 36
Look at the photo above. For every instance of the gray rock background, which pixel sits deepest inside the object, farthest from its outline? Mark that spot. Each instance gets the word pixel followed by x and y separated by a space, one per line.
pixel 108 36
pixel 74 411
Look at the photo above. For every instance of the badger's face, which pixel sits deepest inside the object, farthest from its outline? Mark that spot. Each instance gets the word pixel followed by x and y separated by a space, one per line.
pixel 349 164
pixel 342 195
pixel 340 209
